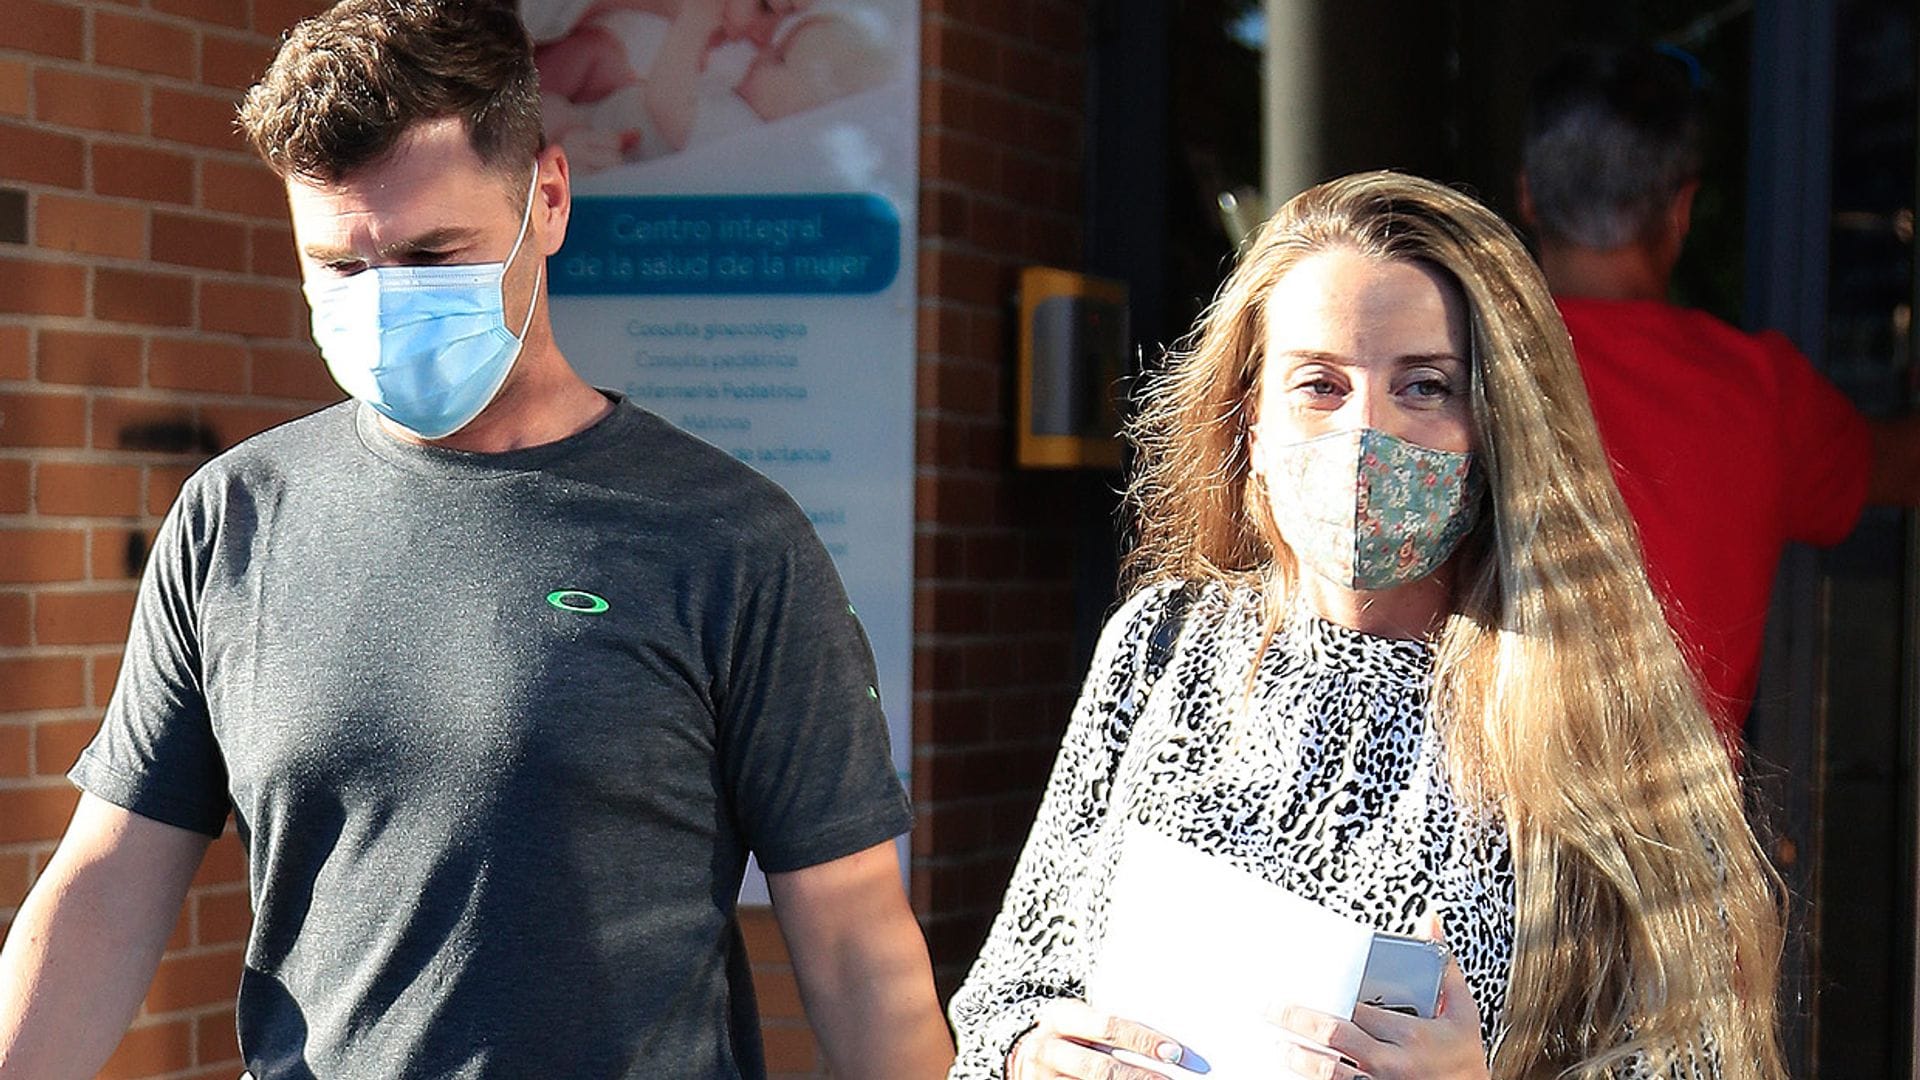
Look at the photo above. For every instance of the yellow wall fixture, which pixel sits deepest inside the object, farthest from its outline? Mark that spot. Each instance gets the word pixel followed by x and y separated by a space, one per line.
pixel 1073 347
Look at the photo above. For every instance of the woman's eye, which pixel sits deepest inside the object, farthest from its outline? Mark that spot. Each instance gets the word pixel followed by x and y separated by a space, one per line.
pixel 1318 387
pixel 1432 388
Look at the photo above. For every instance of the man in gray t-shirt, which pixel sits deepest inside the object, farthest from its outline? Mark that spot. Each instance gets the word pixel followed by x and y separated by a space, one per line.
pixel 500 677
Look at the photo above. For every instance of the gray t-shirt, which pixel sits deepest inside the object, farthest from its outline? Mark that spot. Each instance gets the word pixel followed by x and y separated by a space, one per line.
pixel 498 732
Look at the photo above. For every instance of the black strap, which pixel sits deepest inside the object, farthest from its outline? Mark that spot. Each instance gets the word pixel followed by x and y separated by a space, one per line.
pixel 1166 632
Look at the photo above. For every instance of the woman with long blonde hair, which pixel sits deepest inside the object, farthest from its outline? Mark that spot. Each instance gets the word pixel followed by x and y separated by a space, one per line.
pixel 1415 674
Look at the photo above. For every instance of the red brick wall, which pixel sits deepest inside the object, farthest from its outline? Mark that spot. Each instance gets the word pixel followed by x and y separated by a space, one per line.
pixel 1003 105
pixel 152 315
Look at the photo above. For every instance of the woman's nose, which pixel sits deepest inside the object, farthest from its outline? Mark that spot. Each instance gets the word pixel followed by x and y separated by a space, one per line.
pixel 1369 404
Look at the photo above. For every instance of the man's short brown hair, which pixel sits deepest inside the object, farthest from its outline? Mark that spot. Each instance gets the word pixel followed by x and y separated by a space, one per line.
pixel 346 84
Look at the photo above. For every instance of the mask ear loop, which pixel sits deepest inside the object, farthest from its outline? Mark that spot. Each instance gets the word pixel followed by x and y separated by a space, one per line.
pixel 526 221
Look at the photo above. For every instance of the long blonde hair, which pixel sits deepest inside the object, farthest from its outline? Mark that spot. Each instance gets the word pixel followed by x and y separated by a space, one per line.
pixel 1647 920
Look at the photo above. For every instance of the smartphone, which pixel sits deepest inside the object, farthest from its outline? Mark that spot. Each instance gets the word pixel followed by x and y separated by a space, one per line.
pixel 1403 974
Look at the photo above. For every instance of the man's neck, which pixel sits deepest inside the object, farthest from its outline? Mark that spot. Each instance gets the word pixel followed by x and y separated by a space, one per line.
pixel 542 402
pixel 1628 272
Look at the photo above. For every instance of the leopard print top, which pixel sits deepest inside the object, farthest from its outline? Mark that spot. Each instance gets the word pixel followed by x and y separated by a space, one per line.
pixel 1330 781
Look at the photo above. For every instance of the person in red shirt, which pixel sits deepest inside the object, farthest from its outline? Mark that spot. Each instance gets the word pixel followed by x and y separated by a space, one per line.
pixel 1726 445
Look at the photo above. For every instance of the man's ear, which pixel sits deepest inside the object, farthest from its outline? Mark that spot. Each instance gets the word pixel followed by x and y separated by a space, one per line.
pixel 1680 210
pixel 553 197
pixel 1523 193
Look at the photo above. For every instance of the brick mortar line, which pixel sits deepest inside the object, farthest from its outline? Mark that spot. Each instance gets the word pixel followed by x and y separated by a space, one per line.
pixel 38 190
pixel 144 140
pixel 936 77
pixel 86 325
pixel 66 257
pixel 944 22
pixel 1069 163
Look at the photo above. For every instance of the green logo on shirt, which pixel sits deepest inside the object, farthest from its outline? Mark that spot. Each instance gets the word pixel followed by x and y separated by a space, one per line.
pixel 580 603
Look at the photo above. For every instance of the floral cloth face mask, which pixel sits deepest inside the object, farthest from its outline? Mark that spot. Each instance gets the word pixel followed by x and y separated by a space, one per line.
pixel 1369 510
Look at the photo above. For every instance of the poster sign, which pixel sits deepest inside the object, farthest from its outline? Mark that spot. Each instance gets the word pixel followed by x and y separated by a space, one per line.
pixel 741 254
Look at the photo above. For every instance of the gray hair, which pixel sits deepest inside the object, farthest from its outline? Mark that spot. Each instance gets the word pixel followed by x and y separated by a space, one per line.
pixel 1612 136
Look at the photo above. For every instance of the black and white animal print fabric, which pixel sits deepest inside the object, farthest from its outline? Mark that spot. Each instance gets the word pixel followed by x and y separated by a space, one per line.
pixel 1327 779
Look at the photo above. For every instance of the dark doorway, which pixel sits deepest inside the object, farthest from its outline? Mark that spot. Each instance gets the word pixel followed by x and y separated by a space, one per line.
pixel 1804 224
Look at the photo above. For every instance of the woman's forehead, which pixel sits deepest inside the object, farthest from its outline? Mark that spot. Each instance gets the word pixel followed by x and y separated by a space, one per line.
pixel 1345 303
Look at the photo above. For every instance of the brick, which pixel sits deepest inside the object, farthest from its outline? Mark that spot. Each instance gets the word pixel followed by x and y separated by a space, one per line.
pixel 225 863
pixel 232 423
pixel 62 489
pixel 40 555
pixel 270 311
pixel 42 420
pixel 140 44
pixel 77 99
pixel 143 296
pixel 292 371
pixel 963 277
pixel 116 554
pixel 198 119
pixel 234 63
pixel 16 620
pixel 57 744
pixel 16 877
pixel 214 367
pixel 45 28
pixel 218 1041
pixel 191 240
pixel 121 423
pixel 151 1050
pixel 38 156
pixel 142 173
pixel 790 1048
pixel 762 936
pixel 224 918
pixel 778 994
pixel 163 487
pixel 35 813
pixel 16 353
pixel 249 189
pixel 14 81
pixel 90 226
pixel 102 674
pixel 276 17
pixel 16 746
pixel 32 287
pixel 87 359
pixel 221 12
pixel 16 485
pixel 184 982
pixel 271 253
pixel 82 618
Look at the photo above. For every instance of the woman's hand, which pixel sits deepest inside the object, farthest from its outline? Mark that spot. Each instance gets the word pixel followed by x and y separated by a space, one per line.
pixel 1073 1042
pixel 1385 1045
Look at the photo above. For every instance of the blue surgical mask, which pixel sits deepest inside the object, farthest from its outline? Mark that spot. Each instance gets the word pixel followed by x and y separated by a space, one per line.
pixel 426 346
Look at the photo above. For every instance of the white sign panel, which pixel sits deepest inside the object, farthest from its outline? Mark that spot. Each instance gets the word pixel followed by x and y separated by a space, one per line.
pixel 741 254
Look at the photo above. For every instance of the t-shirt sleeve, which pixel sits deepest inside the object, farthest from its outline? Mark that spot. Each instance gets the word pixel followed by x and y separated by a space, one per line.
pixel 155 754
pixel 1826 450
pixel 803 737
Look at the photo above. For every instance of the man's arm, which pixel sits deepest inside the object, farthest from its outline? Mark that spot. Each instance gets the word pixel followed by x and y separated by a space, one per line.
pixel 85 945
pixel 1895 480
pixel 862 966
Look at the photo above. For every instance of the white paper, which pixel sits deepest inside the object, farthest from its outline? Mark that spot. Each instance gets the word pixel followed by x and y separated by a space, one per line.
pixel 1209 954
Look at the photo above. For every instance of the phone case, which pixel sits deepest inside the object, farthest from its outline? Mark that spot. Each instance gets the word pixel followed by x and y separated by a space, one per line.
pixel 1403 974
